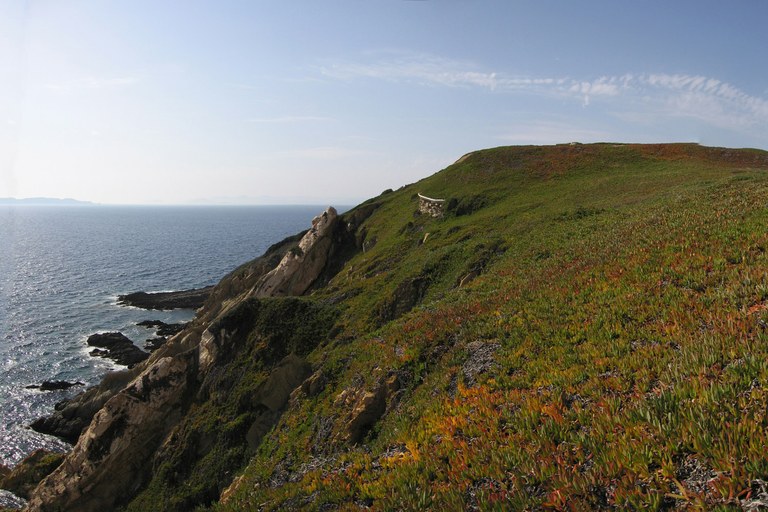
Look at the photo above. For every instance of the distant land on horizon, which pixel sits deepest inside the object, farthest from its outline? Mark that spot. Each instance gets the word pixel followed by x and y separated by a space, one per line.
pixel 48 201
pixel 43 201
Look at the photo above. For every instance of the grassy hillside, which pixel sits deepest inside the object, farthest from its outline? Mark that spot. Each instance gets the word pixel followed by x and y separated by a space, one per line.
pixel 586 328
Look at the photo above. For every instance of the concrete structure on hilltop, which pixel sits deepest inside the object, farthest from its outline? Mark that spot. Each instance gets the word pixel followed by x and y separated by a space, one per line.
pixel 431 207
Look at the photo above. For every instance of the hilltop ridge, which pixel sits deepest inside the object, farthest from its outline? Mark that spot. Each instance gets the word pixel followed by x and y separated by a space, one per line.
pixel 584 327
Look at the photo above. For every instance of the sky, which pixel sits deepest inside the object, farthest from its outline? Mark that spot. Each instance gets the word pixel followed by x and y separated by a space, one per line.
pixel 334 101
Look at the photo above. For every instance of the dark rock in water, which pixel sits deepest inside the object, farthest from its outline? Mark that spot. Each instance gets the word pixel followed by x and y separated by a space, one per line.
pixel 118 348
pixel 170 329
pixel 71 416
pixel 150 323
pixel 153 344
pixel 54 385
pixel 30 471
pixel 185 299
pixel 163 329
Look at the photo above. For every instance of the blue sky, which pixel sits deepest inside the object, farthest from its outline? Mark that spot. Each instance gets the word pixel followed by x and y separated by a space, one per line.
pixel 333 101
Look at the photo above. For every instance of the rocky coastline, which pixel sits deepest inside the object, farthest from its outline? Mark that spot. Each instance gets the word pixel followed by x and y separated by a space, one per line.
pixel 70 416
pixel 148 399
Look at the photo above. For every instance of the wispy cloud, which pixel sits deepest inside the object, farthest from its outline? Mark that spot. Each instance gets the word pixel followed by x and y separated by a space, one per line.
pixel 322 153
pixel 287 119
pixel 655 95
pixel 92 83
pixel 430 70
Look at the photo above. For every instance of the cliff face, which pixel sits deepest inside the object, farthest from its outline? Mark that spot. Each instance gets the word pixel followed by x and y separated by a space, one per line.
pixel 136 426
pixel 583 328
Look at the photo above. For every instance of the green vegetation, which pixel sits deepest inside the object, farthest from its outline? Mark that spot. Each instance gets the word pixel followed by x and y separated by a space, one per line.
pixel 586 328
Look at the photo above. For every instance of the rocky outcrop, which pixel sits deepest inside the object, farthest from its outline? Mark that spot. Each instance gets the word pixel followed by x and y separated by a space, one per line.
pixel 70 417
pixel 117 347
pixel 273 395
pixel 107 463
pixel 302 265
pixel 364 407
pixel 185 299
pixel 30 471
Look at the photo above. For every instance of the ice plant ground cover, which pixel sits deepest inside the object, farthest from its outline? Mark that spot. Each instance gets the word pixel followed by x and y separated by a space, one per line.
pixel 586 327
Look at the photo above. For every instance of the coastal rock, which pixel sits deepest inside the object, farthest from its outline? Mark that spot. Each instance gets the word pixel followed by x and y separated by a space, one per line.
pixel 109 456
pixel 118 347
pixel 70 417
pixel 301 266
pixel 185 299
pixel 153 344
pixel 54 385
pixel 30 471
pixel 162 328
pixel 150 323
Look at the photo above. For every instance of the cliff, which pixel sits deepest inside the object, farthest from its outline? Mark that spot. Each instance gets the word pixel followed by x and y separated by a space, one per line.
pixel 583 327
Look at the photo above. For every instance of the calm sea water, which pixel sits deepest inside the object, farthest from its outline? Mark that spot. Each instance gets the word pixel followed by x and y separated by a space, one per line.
pixel 61 269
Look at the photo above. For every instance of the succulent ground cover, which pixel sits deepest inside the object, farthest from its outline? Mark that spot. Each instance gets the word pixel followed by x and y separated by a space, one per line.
pixel 585 328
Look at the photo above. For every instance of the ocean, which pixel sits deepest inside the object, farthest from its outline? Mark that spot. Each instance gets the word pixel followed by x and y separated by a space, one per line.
pixel 62 268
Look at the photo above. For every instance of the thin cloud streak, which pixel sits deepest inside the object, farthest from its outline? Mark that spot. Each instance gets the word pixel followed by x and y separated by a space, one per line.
pixel 287 119
pixel 667 95
pixel 322 153
pixel 91 83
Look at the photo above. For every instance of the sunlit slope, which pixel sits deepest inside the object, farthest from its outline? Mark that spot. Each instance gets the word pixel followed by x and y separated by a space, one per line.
pixel 586 327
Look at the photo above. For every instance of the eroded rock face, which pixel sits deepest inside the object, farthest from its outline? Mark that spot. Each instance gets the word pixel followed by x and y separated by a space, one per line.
pixel 301 266
pixel 107 463
pixel 365 407
pixel 72 416
pixel 274 394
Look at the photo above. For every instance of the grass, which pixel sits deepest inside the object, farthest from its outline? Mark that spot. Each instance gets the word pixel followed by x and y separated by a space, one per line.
pixel 623 292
